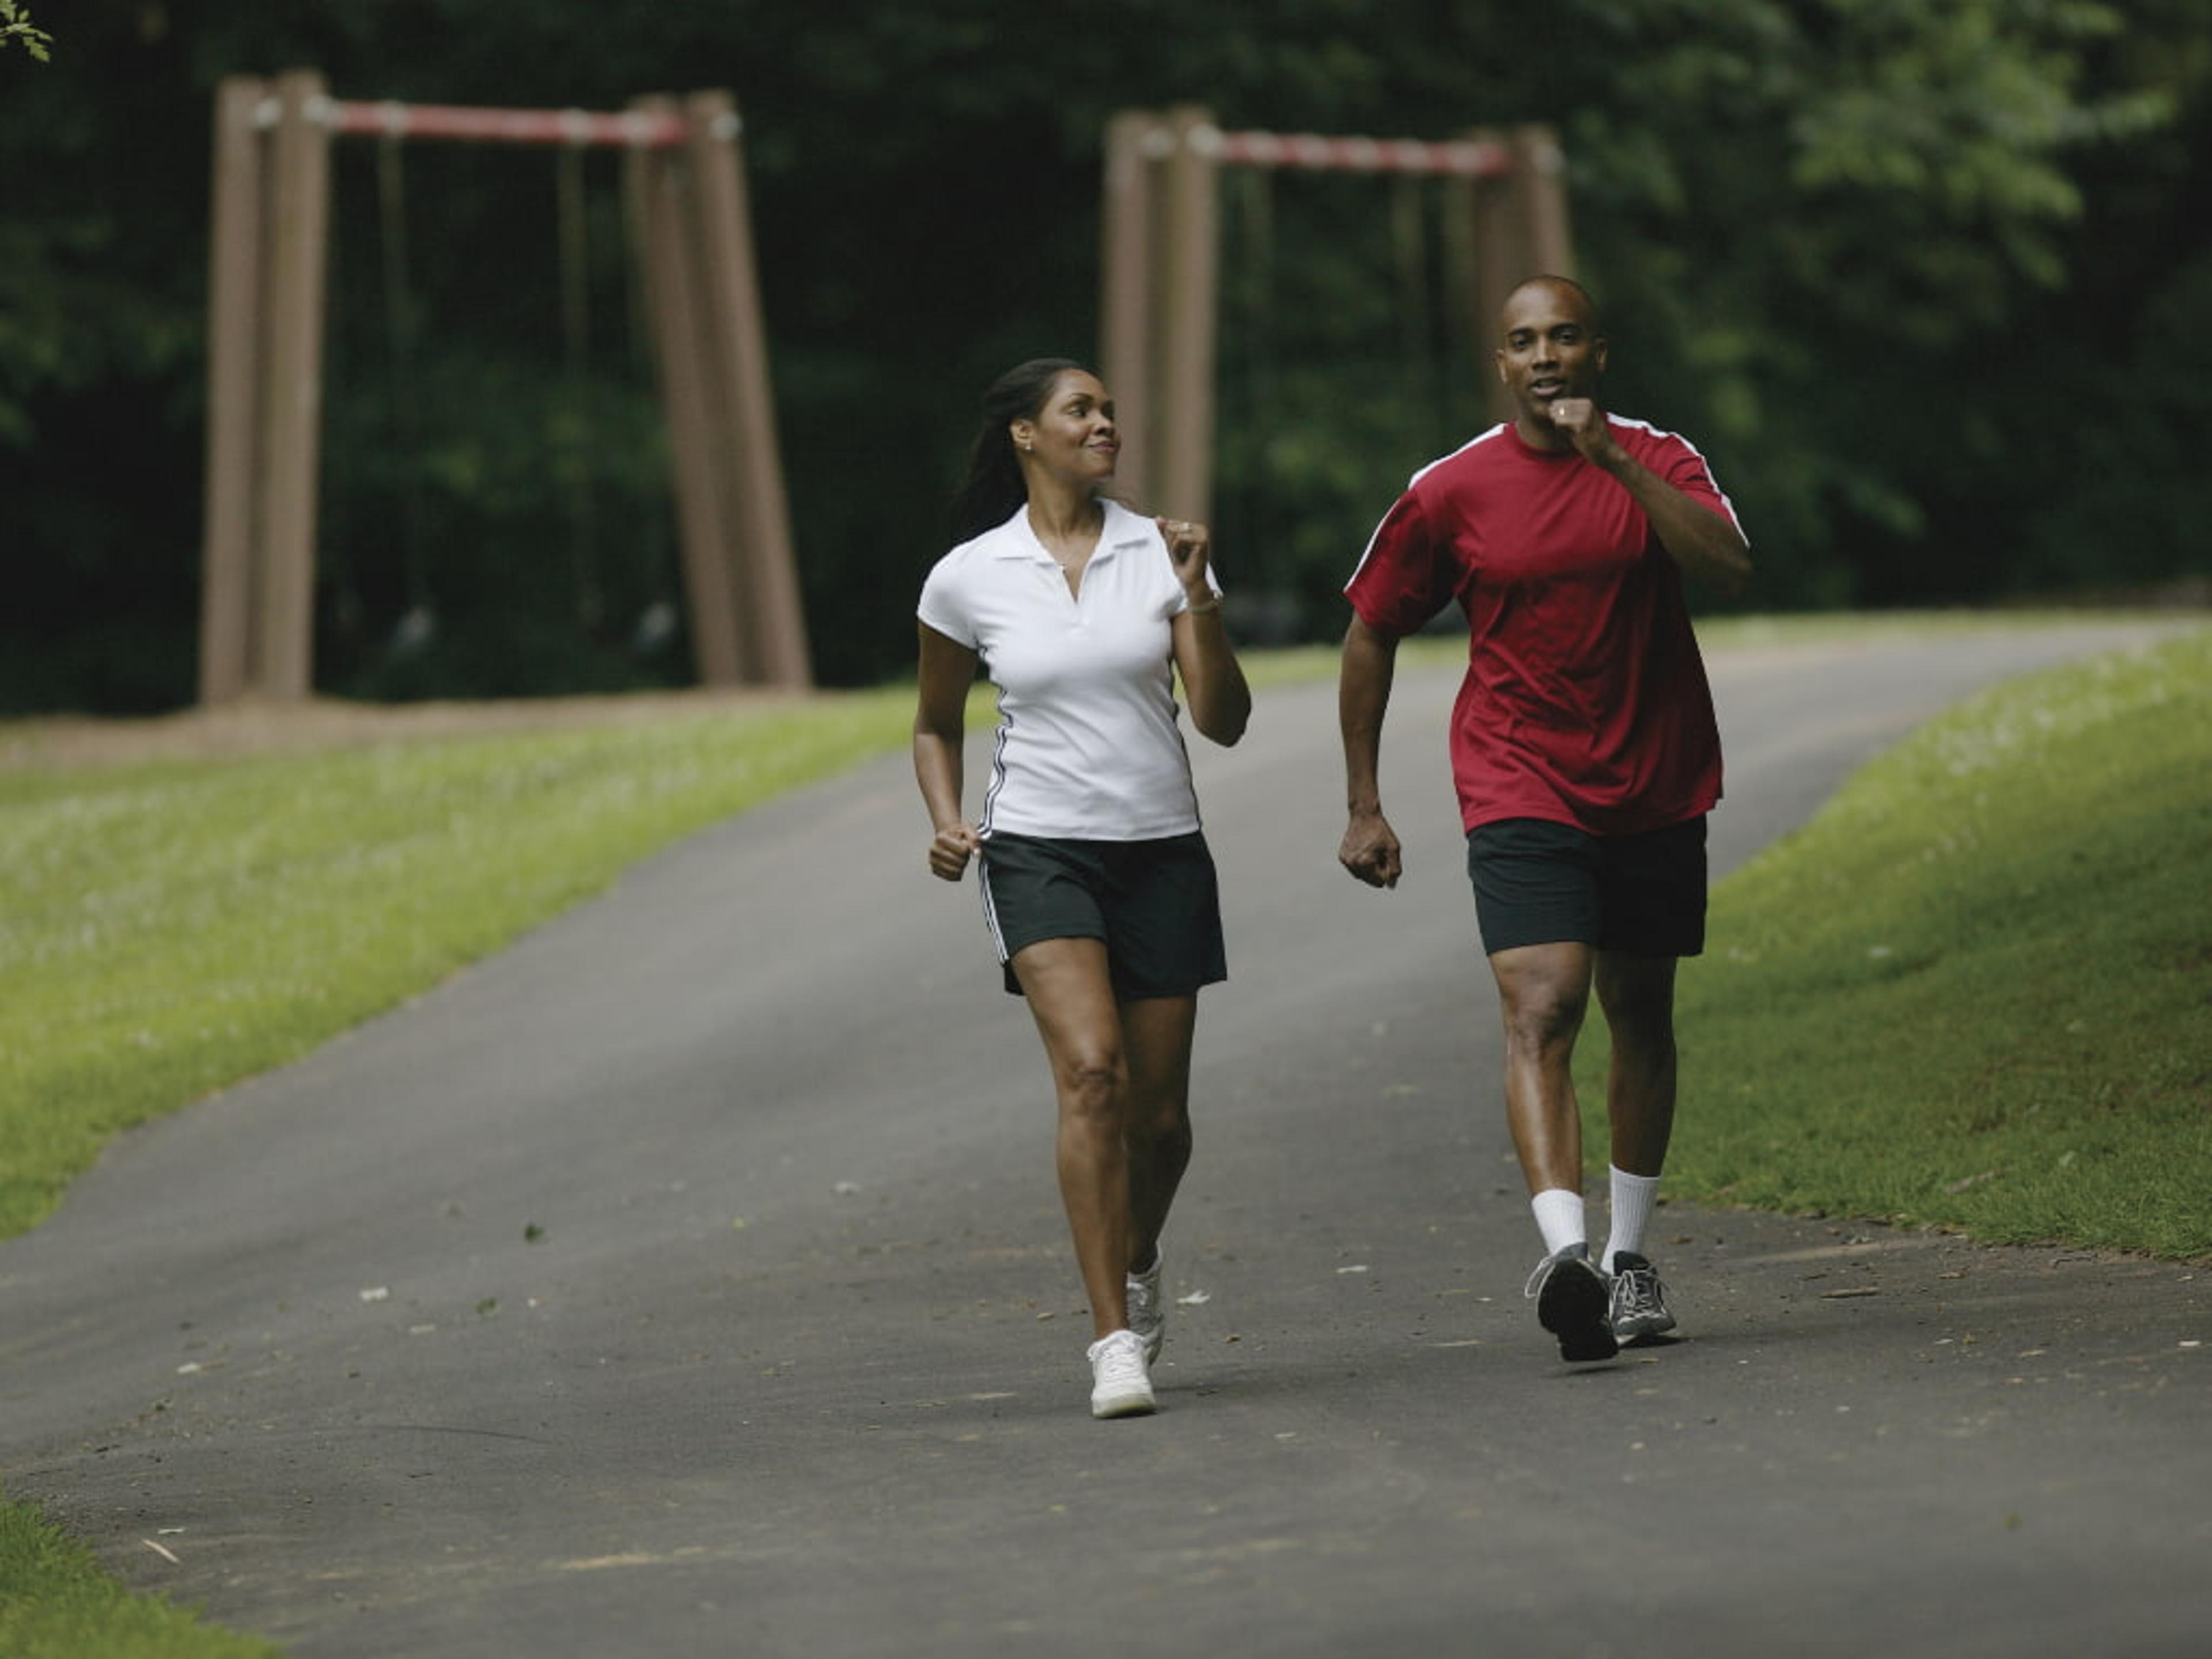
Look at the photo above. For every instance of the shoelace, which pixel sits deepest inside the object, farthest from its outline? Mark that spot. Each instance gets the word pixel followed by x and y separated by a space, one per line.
pixel 1121 1363
pixel 1640 1291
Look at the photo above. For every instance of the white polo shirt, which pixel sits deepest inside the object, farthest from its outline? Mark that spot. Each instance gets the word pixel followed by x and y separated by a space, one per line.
pixel 1088 745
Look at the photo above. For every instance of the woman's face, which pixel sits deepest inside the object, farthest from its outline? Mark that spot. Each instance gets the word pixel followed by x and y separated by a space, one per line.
pixel 1071 435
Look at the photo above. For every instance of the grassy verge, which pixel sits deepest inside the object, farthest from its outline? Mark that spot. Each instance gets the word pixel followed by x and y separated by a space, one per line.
pixel 1976 991
pixel 55 1603
pixel 168 929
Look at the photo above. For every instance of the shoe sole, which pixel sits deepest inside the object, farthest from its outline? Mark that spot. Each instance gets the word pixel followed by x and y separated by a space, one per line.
pixel 1127 1405
pixel 1575 1306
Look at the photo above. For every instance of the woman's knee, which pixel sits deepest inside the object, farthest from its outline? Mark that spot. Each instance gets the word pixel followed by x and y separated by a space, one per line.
pixel 1093 1083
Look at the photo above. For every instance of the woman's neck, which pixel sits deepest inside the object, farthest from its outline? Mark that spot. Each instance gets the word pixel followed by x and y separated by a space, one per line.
pixel 1064 514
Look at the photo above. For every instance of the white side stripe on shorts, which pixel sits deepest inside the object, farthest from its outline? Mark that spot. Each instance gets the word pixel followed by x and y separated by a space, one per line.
pixel 990 907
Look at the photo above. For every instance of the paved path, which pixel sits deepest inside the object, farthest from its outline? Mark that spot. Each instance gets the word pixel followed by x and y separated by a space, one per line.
pixel 689 1281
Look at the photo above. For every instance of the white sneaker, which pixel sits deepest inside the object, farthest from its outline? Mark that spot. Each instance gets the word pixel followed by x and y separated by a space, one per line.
pixel 1148 1309
pixel 1119 1384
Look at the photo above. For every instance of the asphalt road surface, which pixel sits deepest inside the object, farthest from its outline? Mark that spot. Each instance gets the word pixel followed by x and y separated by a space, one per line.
pixel 689 1279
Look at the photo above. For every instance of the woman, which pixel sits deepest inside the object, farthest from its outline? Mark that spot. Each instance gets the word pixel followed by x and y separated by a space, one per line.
pixel 1097 884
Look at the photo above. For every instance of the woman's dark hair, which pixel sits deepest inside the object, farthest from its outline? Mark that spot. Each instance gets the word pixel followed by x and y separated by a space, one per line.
pixel 993 487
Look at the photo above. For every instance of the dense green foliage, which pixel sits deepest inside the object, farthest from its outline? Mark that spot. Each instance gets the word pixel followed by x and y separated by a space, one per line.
pixel 16 27
pixel 1928 283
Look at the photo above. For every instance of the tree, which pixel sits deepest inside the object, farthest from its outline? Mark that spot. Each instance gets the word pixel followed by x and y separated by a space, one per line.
pixel 1829 211
pixel 15 25
pixel 1839 242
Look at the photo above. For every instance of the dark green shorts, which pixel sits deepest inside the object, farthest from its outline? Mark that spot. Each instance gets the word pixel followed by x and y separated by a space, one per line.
pixel 1540 883
pixel 1156 904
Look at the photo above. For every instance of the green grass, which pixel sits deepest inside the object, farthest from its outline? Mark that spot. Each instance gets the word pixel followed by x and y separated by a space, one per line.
pixel 165 930
pixel 56 1603
pixel 1447 644
pixel 1976 991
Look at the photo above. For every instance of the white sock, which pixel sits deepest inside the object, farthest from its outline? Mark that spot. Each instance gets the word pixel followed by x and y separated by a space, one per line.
pixel 1633 1198
pixel 1559 1215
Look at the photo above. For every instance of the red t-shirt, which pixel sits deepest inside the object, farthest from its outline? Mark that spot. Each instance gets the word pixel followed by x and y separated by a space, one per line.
pixel 1585 701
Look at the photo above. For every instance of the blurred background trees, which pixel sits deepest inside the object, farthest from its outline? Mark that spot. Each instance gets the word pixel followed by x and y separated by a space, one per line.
pixel 17 29
pixel 1929 283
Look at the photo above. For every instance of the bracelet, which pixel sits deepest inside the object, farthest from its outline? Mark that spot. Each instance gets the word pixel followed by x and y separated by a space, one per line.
pixel 1212 605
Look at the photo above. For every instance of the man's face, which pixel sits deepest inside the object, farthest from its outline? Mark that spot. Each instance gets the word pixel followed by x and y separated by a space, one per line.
pixel 1550 351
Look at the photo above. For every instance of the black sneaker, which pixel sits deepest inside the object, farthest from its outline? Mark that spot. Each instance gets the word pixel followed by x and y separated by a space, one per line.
pixel 1573 1304
pixel 1639 1300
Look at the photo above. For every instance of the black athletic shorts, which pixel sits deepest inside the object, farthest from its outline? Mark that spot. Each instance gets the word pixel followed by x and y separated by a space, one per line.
pixel 1540 883
pixel 1155 904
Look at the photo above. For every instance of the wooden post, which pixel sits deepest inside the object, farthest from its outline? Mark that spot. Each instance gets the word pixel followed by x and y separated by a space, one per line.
pixel 655 178
pixel 1469 338
pixel 229 538
pixel 291 399
pixel 1501 259
pixel 1541 168
pixel 267 282
pixel 737 357
pixel 1136 140
pixel 1181 465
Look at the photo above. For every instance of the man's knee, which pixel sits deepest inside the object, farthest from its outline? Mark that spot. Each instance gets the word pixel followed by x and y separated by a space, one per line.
pixel 1158 1120
pixel 1635 986
pixel 1543 992
pixel 1543 1014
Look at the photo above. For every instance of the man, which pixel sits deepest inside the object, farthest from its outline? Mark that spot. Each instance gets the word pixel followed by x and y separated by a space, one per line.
pixel 1586 756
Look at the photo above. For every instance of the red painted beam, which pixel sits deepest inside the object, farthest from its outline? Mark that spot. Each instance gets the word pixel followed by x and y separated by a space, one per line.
pixel 1466 158
pixel 506 126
